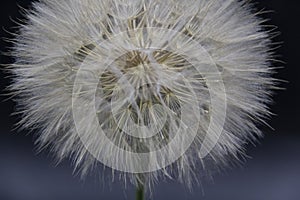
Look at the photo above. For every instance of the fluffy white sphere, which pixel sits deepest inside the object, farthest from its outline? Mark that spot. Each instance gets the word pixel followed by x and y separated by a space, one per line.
pixel 149 88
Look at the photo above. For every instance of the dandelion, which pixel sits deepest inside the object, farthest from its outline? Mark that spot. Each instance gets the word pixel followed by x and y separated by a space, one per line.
pixel 148 88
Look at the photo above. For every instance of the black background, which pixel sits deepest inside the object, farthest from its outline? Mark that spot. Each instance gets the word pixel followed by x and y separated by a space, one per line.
pixel 271 173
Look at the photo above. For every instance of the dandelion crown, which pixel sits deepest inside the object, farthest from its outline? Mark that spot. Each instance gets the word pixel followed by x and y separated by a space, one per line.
pixel 148 88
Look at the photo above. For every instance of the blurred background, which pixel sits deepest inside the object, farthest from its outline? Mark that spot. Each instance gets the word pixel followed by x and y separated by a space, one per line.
pixel 272 171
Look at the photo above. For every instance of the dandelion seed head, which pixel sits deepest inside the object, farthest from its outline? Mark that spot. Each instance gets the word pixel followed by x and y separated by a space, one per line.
pixel 160 88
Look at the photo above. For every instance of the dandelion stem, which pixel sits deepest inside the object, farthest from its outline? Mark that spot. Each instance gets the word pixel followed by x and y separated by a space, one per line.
pixel 140 192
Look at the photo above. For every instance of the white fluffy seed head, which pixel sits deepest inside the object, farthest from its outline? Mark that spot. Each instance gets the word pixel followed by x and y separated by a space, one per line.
pixel 99 79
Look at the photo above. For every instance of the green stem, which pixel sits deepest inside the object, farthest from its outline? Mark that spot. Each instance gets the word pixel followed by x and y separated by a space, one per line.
pixel 140 192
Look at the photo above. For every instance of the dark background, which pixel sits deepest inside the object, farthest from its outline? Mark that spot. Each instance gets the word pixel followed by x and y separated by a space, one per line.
pixel 271 173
